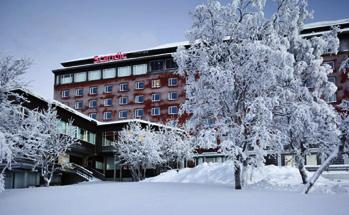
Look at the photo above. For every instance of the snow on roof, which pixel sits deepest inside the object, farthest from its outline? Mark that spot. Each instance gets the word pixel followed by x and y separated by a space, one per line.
pixel 140 121
pixel 164 46
pixel 63 106
pixel 323 32
pixel 325 23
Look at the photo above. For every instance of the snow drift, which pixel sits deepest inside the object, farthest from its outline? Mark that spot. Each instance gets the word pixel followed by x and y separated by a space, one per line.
pixel 264 178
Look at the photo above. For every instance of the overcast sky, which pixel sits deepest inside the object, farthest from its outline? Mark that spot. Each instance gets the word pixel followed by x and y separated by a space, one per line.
pixel 50 32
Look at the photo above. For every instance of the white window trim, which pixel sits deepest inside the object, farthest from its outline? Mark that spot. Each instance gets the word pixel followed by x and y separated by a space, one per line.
pixel 153 95
pixel 169 82
pixel 76 106
pixel 105 114
pixel 77 90
pixel 105 103
pixel 137 85
pixel 120 99
pixel 90 90
pixel 169 108
pixel 137 99
pixel 63 93
pixel 169 96
pixel 123 111
pixel 136 113
pixel 90 102
pixel 90 115
pixel 153 81
pixel 153 111
pixel 123 84
pixel 106 87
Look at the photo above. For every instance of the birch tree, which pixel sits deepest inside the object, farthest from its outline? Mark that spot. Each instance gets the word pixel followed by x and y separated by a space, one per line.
pixel 259 82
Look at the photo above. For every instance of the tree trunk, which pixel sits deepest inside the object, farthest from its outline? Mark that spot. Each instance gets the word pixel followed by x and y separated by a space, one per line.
pixel 237 175
pixel 303 172
pixel 145 171
pixel 317 174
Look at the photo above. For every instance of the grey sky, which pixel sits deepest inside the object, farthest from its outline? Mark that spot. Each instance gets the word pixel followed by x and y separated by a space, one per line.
pixel 50 32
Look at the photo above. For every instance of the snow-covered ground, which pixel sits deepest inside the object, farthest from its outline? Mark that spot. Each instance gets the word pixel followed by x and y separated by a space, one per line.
pixel 266 178
pixel 208 190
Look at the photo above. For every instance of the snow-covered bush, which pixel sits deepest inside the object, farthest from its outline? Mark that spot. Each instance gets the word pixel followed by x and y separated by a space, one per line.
pixel 46 142
pixel 11 128
pixel 176 146
pixel 258 82
pixel 138 147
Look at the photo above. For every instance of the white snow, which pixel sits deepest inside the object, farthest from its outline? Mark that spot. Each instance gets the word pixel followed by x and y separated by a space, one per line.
pixel 164 199
pixel 265 178
pixel 325 23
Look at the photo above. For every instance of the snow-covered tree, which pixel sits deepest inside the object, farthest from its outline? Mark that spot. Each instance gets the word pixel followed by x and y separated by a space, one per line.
pixel 257 80
pixel 176 146
pixel 47 142
pixel 10 110
pixel 138 148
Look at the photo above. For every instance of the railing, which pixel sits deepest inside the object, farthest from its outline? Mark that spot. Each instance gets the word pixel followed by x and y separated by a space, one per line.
pixel 336 167
pixel 81 171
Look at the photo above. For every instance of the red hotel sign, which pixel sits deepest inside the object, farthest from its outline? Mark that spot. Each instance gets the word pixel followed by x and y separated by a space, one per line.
pixel 107 58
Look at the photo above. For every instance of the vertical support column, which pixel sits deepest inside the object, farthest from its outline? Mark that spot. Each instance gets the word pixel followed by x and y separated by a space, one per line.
pixel 114 167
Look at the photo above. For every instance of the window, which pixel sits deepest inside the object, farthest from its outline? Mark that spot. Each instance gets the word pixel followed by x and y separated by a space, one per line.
pixel 172 96
pixel 107 115
pixel 124 71
pixel 94 75
pixel 78 105
pixel 332 98
pixel 140 69
pixel 57 79
pixel 109 73
pixel 79 92
pixel 139 99
pixel 123 114
pixel 123 87
pixel 108 88
pixel 93 90
pixel 155 83
pixel 80 77
pixel 108 137
pixel 139 85
pixel 172 110
pixel 99 165
pixel 91 137
pixel 155 97
pixel 330 64
pixel 93 115
pixel 155 111
pixel 92 103
pixel 172 82
pixel 65 94
pixel 156 66
pixel 311 159
pixel 108 102
pixel 66 79
pixel 123 100
pixel 139 112
pixel 170 64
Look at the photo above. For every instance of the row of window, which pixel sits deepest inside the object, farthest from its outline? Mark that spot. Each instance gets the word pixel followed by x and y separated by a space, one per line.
pixel 139 85
pixel 138 113
pixel 80 133
pixel 139 69
pixel 139 99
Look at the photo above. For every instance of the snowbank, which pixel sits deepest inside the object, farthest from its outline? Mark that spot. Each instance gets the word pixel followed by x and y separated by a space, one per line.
pixel 265 178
